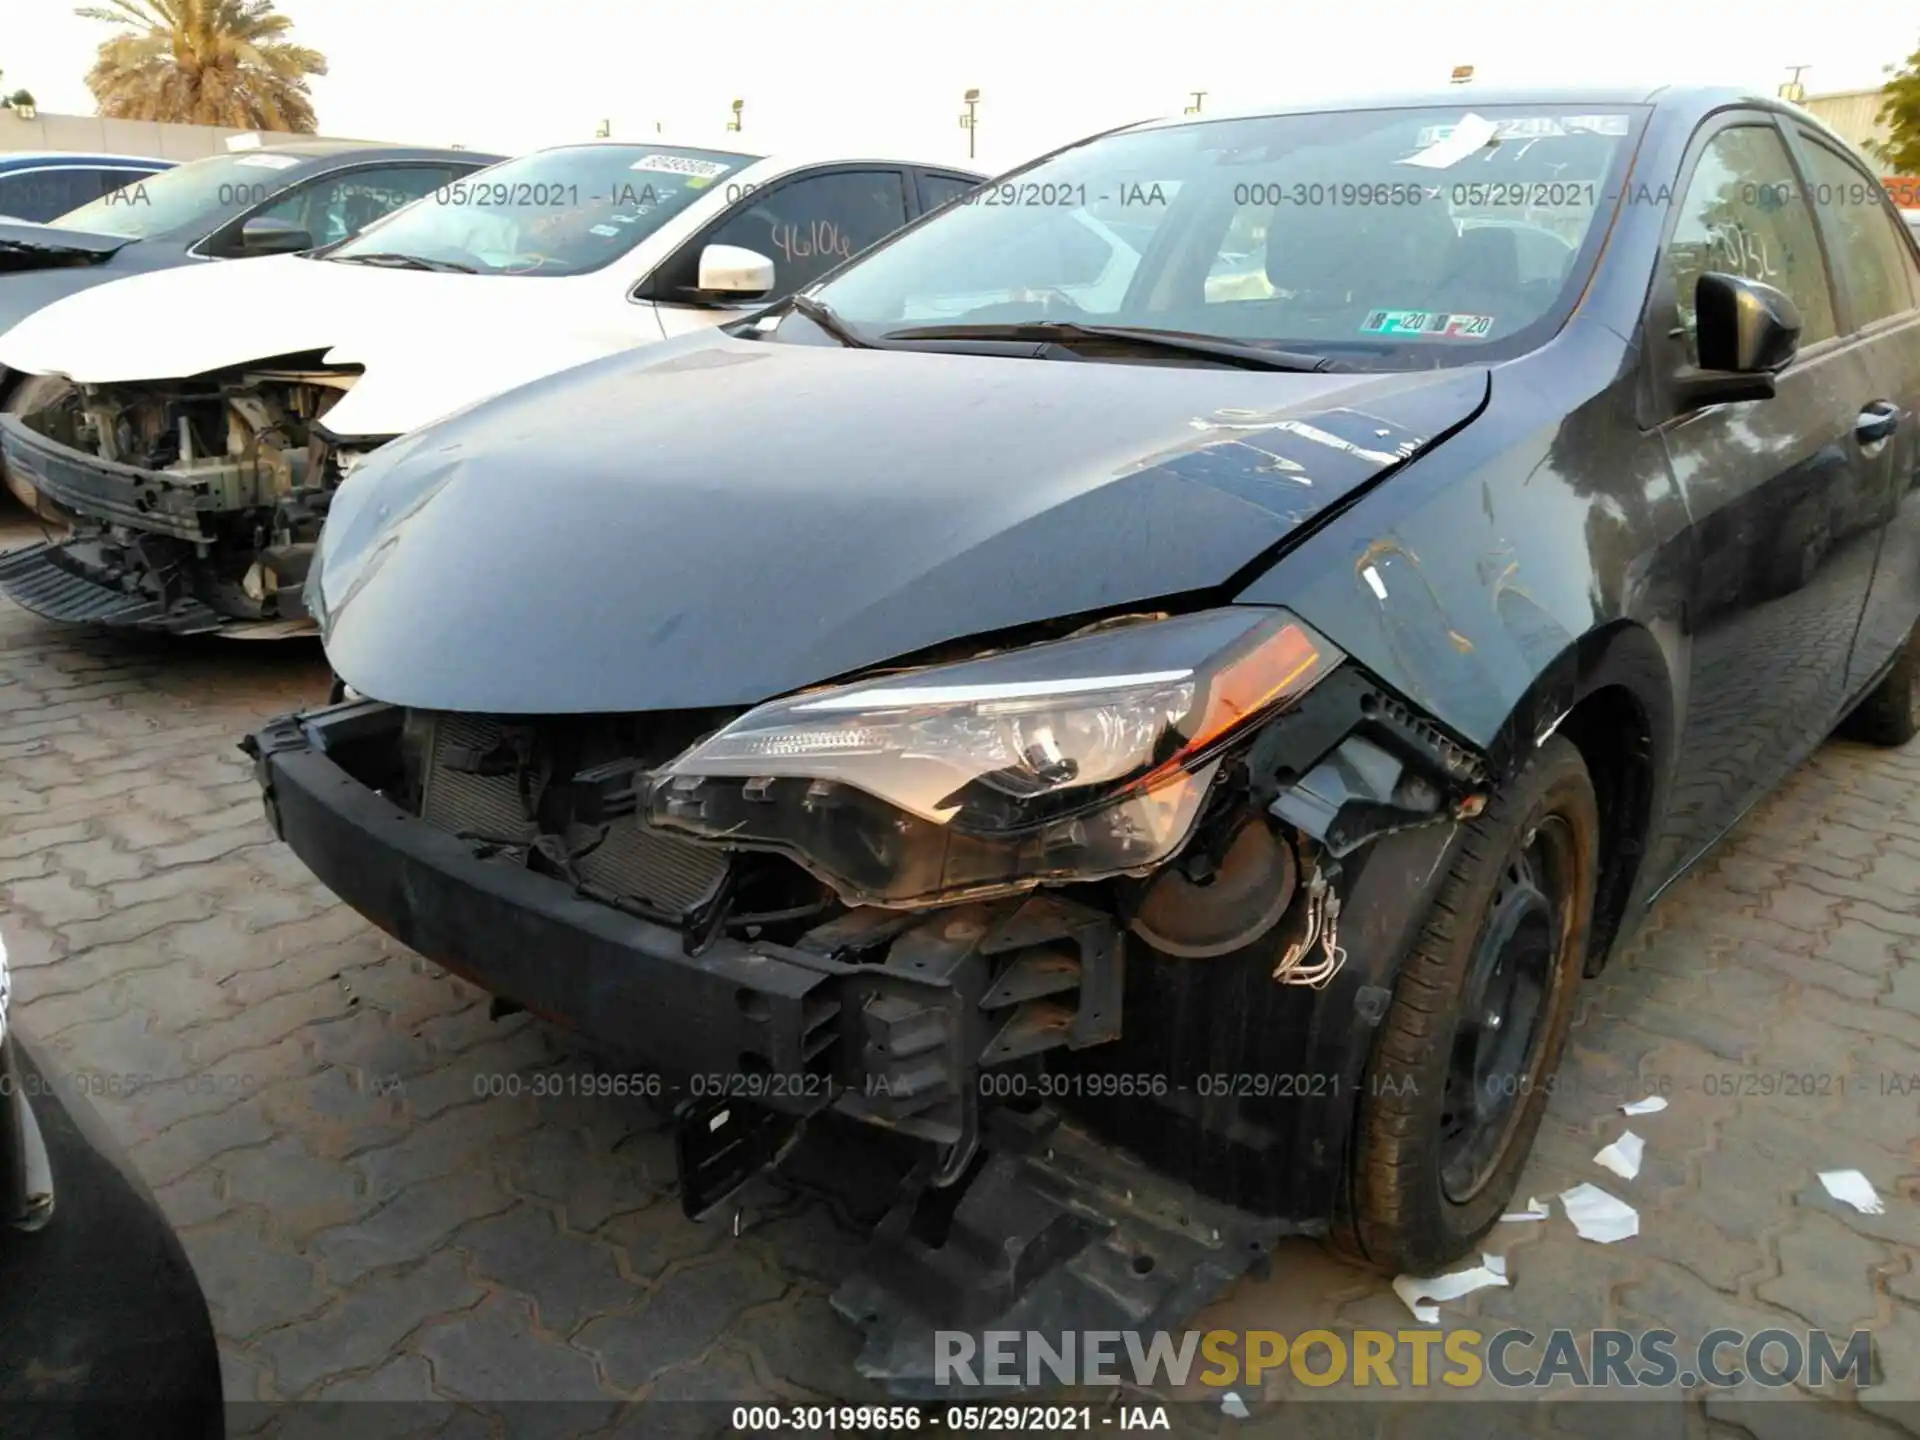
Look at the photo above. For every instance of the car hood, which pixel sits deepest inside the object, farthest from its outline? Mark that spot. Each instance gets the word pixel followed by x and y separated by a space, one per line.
pixel 427 343
pixel 715 521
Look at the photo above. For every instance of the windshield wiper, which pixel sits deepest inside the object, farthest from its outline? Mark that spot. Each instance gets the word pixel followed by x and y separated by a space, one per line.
pixel 1175 342
pixel 397 261
pixel 823 316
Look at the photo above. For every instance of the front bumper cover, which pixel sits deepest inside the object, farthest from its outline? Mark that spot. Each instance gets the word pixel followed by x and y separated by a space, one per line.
pixel 793 1029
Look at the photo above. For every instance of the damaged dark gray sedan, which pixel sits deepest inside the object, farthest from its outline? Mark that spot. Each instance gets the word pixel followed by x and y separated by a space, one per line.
pixel 1135 707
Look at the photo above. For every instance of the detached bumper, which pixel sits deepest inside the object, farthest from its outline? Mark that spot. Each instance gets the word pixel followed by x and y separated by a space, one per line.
pixel 46 580
pixel 149 500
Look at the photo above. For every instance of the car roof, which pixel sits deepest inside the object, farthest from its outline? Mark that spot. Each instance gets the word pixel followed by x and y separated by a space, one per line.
pixel 316 150
pixel 1691 99
pixel 784 159
pixel 13 159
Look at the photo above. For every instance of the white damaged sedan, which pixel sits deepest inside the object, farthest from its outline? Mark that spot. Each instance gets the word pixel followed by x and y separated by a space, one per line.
pixel 194 423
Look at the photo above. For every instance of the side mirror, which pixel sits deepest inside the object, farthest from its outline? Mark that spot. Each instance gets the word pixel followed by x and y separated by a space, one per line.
pixel 261 236
pixel 732 270
pixel 1746 333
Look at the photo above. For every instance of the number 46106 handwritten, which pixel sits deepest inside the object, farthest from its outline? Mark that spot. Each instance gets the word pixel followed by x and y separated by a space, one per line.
pixel 803 242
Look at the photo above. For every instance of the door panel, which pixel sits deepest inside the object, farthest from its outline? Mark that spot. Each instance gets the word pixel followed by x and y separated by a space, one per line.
pixel 1875 265
pixel 1772 487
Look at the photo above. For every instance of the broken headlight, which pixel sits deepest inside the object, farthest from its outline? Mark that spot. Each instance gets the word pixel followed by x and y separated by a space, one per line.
pixel 1070 760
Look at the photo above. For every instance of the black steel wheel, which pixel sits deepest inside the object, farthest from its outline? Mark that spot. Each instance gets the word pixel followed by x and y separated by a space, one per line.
pixel 1465 1056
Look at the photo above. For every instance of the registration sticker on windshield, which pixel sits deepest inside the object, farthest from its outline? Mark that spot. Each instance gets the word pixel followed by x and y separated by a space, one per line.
pixel 1446 325
pixel 1532 127
pixel 681 165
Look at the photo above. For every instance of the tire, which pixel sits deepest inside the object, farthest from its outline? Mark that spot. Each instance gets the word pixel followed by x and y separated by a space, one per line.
pixel 34 392
pixel 1424 1189
pixel 1890 715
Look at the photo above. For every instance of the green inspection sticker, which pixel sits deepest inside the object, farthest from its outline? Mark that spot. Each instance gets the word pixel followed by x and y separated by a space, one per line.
pixel 1428 322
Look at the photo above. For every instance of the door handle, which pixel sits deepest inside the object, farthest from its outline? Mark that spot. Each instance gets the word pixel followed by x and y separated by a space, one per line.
pixel 1877 422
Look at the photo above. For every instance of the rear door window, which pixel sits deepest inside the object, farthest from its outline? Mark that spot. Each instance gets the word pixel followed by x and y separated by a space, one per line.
pixel 937 190
pixel 1870 253
pixel 44 193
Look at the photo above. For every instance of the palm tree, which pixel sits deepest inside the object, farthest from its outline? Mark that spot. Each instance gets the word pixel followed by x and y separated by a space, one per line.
pixel 205 62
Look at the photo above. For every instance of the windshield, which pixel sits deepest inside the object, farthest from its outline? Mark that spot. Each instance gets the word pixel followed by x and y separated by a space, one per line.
pixel 1416 236
pixel 559 212
pixel 199 192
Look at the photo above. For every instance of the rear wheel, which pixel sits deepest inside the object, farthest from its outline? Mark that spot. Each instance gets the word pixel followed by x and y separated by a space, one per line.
pixel 35 392
pixel 1466 1054
pixel 1890 715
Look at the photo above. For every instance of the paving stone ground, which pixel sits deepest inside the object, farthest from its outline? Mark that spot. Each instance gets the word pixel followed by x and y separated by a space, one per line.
pixel 371 1221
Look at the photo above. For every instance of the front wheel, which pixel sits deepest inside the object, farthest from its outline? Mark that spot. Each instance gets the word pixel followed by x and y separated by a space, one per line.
pixel 1467 1052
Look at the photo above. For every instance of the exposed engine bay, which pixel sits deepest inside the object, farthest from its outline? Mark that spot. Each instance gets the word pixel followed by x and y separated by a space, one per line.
pixel 194 505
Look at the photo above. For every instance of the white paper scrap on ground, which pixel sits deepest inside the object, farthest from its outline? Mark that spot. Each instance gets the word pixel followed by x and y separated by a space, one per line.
pixel 1853 1188
pixel 1471 134
pixel 1536 1210
pixel 1232 1404
pixel 1622 1157
pixel 1492 1270
pixel 1652 1105
pixel 1598 1216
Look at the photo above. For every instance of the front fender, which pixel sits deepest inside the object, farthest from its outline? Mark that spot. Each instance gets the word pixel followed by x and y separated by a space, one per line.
pixel 1484 579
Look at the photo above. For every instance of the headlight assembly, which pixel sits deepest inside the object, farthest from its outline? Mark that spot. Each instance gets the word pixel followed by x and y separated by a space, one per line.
pixel 1071 760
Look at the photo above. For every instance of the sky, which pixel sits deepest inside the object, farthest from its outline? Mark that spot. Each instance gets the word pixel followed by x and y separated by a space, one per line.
pixel 888 78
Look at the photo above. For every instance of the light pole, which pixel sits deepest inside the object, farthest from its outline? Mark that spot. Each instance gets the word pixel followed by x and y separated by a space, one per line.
pixel 734 123
pixel 969 122
pixel 1198 96
pixel 1793 90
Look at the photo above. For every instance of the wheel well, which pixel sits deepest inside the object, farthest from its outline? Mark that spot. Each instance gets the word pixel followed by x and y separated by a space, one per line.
pixel 1610 729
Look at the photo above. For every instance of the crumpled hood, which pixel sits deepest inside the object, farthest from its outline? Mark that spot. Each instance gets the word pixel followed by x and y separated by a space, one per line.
pixel 715 521
pixel 428 342
pixel 25 245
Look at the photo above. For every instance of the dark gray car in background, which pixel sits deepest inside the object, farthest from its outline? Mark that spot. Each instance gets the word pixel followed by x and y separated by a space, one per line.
pixel 266 201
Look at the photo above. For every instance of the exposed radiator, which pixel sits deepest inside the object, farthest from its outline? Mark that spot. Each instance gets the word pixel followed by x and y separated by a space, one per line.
pixel 485 806
pixel 668 874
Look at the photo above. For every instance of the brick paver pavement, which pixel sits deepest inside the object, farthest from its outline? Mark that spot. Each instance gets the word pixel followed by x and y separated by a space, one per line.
pixel 368 1223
